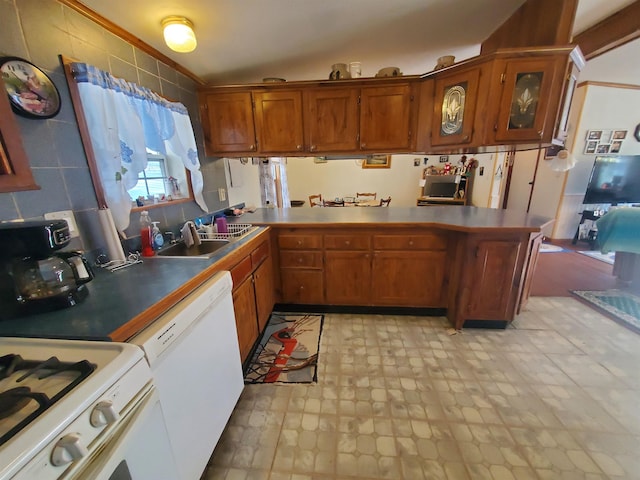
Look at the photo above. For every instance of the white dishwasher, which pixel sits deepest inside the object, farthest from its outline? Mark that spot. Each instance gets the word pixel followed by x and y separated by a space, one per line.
pixel 195 362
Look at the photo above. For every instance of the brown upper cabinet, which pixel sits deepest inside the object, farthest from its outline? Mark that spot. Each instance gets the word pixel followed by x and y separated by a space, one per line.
pixel 516 96
pixel 331 119
pixel 456 97
pixel 387 118
pixel 278 118
pixel 227 121
pixel 525 98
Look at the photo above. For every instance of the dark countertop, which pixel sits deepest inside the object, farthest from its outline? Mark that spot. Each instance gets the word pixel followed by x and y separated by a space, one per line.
pixel 460 218
pixel 116 297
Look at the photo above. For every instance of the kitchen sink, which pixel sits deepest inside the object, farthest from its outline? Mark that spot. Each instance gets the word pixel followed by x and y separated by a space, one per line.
pixel 205 250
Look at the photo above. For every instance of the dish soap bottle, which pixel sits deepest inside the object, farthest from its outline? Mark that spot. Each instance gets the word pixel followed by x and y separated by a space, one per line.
pixel 146 234
pixel 158 239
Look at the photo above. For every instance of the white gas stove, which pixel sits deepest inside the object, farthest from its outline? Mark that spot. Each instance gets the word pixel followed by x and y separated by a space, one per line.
pixel 63 401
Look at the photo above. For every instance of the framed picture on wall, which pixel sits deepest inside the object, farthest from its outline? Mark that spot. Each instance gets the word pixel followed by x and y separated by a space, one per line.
pixel 619 134
pixel 603 148
pixel 377 161
pixel 594 134
pixel 590 147
pixel 615 146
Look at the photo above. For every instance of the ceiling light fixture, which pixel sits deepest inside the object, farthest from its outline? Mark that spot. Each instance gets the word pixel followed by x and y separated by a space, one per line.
pixel 178 34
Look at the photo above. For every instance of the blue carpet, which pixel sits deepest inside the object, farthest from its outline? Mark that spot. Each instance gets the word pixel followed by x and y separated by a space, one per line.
pixel 624 307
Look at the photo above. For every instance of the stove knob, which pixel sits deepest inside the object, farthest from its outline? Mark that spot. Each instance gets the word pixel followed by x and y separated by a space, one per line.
pixel 103 414
pixel 68 449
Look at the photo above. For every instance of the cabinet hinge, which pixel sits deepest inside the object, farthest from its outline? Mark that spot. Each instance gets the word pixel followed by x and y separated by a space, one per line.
pixel 358 137
pixel 503 77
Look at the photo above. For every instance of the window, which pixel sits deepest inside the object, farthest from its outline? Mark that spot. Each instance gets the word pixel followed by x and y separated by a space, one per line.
pixel 152 180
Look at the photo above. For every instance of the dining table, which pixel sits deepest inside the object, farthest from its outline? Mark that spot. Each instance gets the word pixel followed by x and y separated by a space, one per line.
pixel 343 203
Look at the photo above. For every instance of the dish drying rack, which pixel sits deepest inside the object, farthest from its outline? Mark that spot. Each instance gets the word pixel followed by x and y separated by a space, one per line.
pixel 234 230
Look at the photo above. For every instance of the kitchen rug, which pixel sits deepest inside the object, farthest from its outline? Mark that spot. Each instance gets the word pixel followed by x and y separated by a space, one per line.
pixel 624 307
pixel 287 351
pixel 603 257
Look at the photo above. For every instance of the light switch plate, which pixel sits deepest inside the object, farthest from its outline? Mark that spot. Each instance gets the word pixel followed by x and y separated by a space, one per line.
pixel 222 194
pixel 69 217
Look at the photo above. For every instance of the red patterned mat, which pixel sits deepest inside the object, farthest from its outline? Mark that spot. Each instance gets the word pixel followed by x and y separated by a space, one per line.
pixel 288 350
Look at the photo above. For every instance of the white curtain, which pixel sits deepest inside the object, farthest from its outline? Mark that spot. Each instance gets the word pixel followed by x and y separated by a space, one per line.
pixel 124 119
pixel 270 170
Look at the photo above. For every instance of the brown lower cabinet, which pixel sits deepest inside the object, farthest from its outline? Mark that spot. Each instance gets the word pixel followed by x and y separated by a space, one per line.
pixel 244 305
pixel 474 276
pixel 253 295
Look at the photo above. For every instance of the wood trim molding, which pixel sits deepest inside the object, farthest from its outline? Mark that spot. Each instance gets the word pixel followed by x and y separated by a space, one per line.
pixel 615 30
pixel 133 40
pixel 535 23
pixel 609 84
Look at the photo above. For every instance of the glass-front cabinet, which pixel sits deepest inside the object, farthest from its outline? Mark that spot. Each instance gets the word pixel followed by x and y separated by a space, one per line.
pixel 524 101
pixel 456 96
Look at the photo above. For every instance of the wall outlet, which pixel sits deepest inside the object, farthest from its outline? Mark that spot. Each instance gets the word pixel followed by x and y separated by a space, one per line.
pixel 222 194
pixel 68 216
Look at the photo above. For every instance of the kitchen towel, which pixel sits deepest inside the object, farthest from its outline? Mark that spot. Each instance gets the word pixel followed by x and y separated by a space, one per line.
pixel 110 235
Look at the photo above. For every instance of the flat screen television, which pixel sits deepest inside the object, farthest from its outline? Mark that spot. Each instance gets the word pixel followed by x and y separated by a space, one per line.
pixel 614 179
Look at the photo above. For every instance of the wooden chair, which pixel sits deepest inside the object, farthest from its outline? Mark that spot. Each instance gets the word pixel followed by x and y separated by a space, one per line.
pixel 315 200
pixel 384 202
pixel 366 196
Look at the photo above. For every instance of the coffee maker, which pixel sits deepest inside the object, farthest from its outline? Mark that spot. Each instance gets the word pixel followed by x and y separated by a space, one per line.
pixel 34 275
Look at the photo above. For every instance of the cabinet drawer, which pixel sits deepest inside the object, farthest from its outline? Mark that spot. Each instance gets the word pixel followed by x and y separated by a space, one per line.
pixel 302 286
pixel 347 242
pixel 409 242
pixel 259 254
pixel 241 271
pixel 300 259
pixel 300 242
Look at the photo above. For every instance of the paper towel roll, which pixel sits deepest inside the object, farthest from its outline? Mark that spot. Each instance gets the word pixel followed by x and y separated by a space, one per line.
pixel 110 234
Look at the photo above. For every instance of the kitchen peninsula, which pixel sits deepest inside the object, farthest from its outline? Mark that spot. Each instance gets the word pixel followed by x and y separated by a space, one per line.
pixel 475 263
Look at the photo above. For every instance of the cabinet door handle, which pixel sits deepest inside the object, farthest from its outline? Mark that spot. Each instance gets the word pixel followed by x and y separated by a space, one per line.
pixel 299 242
pixel 312 148
pixel 252 147
pixel 540 132
pixel 347 243
pixel 363 145
pixel 411 243
pixel 465 138
pixel 300 260
pixel 299 147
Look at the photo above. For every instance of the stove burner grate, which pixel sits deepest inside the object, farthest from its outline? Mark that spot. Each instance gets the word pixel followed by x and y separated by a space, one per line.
pixel 14 399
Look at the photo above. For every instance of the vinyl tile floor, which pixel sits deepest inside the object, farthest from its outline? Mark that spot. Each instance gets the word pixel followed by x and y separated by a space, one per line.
pixel 553 396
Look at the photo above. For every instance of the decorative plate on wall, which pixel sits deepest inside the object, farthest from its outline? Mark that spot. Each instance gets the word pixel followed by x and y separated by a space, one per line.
pixel 31 92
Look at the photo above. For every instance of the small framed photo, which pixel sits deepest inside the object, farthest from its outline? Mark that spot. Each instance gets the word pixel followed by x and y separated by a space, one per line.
pixel 590 147
pixel 416 162
pixel 444 158
pixel 616 145
pixel 603 148
pixel 619 134
pixel 594 134
pixel 377 161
